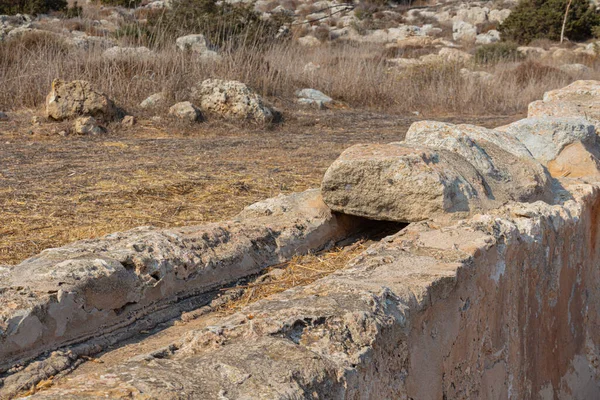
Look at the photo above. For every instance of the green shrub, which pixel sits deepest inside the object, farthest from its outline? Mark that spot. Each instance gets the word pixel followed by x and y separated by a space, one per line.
pixel 12 7
pixel 222 24
pixel 495 52
pixel 542 19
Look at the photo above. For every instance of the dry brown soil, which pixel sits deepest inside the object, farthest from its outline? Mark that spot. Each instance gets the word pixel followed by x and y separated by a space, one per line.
pixel 55 189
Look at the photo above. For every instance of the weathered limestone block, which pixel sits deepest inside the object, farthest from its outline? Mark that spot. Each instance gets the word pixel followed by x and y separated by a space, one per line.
pixel 566 146
pixel 77 98
pixel 232 100
pixel 440 169
pixel 98 288
pixel 499 306
pixel 401 183
pixel 579 99
pixel 185 111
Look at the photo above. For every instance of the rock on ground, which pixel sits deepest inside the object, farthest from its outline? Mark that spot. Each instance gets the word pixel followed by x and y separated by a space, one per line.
pixel 232 100
pixel 439 169
pixel 154 101
pixel 77 98
pixel 313 96
pixel 491 36
pixel 401 183
pixel 87 126
pixel 197 44
pixel 566 146
pixel 581 98
pixel 463 32
pixel 185 111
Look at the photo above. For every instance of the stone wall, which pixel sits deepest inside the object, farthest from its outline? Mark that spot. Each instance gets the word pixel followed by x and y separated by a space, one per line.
pixel 496 299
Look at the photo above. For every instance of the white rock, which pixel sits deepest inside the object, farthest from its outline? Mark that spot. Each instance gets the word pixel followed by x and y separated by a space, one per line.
pixel 498 15
pixel 463 31
pixel 185 111
pixel 472 15
pixel 194 43
pixel 153 101
pixel 232 100
pixel 492 36
pixel 441 169
pixel 313 96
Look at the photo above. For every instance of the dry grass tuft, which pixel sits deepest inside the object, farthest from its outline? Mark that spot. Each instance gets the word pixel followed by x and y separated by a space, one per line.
pixel 354 73
pixel 300 271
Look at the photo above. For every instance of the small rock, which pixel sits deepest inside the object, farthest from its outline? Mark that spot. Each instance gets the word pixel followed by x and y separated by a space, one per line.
pixel 78 98
pixel 313 97
pixel 153 101
pixel 87 126
pixel 185 111
pixel 472 15
pixel 194 43
pixel 498 15
pixel 463 32
pixel 309 41
pixel 128 120
pixel 232 100
pixel 3 116
pixel 492 36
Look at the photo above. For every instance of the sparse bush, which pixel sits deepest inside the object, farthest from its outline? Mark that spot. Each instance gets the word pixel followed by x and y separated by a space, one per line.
pixel 224 24
pixel 134 32
pixel 12 7
pixel 542 19
pixel 531 73
pixel 495 52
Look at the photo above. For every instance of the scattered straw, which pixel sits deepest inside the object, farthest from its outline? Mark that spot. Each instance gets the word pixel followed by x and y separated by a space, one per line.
pixel 300 271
